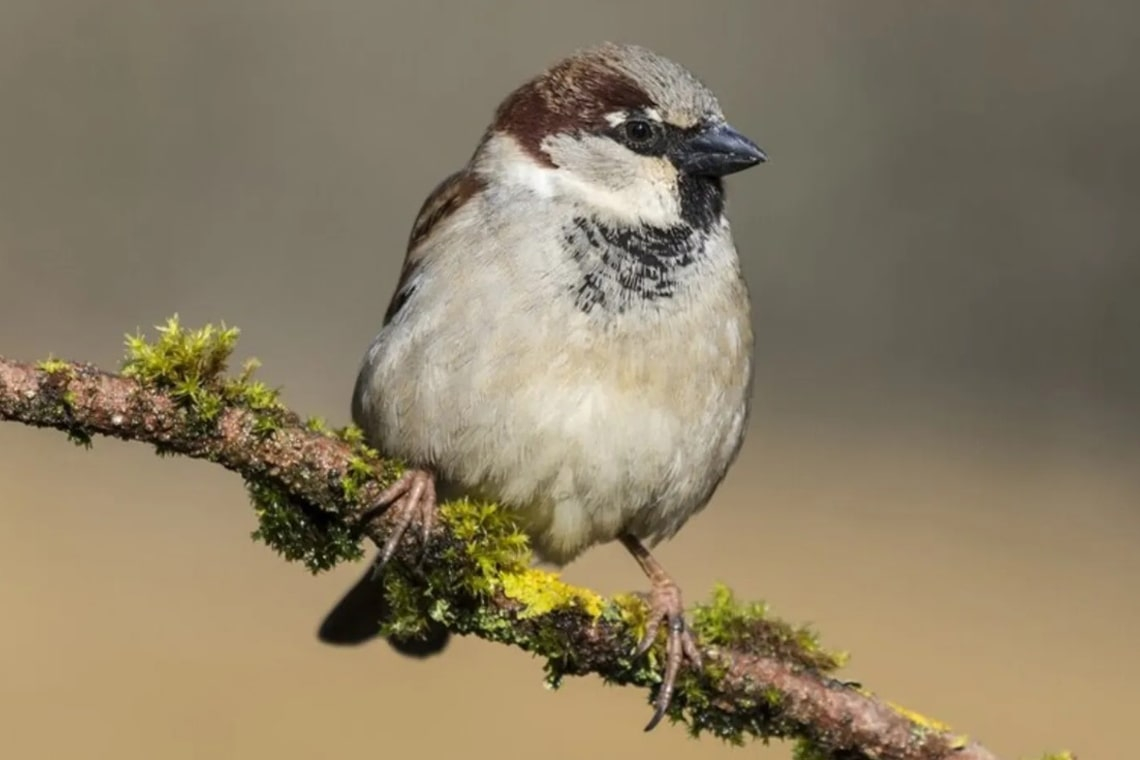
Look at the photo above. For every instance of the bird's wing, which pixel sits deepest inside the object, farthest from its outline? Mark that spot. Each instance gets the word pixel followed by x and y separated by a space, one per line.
pixel 448 197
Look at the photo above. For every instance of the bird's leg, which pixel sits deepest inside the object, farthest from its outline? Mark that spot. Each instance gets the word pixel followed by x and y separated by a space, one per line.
pixel 412 500
pixel 664 606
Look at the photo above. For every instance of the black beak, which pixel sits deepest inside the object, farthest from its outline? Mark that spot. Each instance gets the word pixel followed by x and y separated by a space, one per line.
pixel 716 151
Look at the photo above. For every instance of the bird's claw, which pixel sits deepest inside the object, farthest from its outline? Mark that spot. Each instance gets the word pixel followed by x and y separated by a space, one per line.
pixel 665 606
pixel 411 500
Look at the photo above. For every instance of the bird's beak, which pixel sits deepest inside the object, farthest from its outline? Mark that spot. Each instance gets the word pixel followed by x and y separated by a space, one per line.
pixel 717 150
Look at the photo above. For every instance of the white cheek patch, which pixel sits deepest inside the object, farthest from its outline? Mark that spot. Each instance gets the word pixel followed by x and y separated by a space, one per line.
pixel 609 177
pixel 593 171
pixel 504 159
pixel 649 200
pixel 540 179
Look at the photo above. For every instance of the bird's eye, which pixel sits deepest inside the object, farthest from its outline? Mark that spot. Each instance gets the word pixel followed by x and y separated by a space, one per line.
pixel 639 132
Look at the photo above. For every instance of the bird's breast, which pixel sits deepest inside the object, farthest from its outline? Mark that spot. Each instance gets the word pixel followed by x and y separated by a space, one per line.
pixel 586 422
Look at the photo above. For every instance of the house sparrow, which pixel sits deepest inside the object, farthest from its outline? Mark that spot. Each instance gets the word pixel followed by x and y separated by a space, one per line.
pixel 570 336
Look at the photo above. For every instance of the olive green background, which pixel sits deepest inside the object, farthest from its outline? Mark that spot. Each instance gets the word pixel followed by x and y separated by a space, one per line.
pixel 944 257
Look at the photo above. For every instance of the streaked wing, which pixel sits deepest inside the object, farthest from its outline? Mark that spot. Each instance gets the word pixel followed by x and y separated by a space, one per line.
pixel 447 198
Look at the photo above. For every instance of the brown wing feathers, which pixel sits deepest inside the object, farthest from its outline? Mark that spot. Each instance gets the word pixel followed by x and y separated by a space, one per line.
pixel 447 198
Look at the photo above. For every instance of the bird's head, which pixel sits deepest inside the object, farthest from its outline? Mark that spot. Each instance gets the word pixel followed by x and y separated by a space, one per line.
pixel 622 131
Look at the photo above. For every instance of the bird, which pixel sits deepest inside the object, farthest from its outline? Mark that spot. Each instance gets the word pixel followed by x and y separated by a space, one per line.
pixel 571 332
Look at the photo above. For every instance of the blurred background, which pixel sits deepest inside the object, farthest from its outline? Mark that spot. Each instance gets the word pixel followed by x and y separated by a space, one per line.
pixel 943 252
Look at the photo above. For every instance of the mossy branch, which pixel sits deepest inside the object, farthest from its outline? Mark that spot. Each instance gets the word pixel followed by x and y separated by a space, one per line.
pixel 312 488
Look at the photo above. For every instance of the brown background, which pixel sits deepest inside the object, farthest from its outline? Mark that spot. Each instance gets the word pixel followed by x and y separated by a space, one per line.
pixel 944 255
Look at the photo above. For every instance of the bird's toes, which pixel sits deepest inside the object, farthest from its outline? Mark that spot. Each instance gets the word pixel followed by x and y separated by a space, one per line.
pixel 412 502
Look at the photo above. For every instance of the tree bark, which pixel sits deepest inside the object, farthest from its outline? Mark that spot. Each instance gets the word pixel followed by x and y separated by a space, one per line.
pixel 747 689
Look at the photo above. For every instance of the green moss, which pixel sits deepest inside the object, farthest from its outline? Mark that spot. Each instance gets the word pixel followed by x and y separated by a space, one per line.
pixel 491 542
pixel 180 358
pixel 350 434
pixel 484 563
pixel 804 749
pixel 80 437
pixel 191 366
pixel 409 608
pixel 498 553
pixel 366 464
pixel 489 557
pixel 319 539
pixel 725 622
pixel 299 533
pixel 631 611
pixel 53 366
pixel 59 373
pixel 358 474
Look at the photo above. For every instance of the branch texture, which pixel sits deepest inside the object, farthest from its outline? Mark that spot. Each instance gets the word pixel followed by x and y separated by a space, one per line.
pixel 312 486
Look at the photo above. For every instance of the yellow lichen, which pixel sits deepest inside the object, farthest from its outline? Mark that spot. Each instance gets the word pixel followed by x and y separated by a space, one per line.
pixel 918 718
pixel 542 592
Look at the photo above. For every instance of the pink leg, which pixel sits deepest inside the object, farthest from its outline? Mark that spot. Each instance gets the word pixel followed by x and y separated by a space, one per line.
pixel 664 606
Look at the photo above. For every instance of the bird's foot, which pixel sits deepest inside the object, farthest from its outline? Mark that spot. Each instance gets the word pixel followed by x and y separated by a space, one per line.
pixel 664 601
pixel 412 501
pixel 665 606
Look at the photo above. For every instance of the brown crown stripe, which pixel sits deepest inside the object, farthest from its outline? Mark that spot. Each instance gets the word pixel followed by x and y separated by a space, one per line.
pixel 574 95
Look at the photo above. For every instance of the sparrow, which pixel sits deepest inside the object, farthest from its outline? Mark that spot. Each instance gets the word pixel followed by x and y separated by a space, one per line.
pixel 571 331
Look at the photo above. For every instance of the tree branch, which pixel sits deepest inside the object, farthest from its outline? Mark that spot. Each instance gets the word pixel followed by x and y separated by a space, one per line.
pixel 312 486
